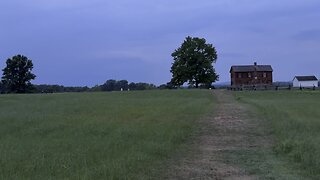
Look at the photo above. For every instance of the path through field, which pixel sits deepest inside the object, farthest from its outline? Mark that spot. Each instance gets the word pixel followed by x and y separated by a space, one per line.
pixel 226 130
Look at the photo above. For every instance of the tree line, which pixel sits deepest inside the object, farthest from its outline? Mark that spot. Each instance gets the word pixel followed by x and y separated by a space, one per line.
pixel 192 65
pixel 109 85
pixel 17 76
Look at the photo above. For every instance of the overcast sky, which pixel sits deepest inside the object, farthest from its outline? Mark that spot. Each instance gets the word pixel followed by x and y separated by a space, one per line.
pixel 81 42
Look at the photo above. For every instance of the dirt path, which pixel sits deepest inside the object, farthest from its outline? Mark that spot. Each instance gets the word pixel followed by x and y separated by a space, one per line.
pixel 226 130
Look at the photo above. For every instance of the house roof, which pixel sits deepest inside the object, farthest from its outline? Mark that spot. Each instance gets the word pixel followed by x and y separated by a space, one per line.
pixel 251 68
pixel 306 78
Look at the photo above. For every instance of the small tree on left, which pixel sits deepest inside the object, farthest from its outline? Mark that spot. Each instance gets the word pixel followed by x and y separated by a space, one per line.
pixel 17 74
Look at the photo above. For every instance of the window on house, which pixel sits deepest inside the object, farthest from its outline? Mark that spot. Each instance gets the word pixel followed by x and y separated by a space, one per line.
pixel 239 75
pixel 264 75
pixel 249 75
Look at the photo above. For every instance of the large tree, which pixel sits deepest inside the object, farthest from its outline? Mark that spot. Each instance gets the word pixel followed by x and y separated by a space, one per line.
pixel 17 74
pixel 193 63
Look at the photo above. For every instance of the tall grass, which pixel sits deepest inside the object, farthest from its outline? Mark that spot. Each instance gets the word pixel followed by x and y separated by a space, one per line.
pixel 117 135
pixel 295 121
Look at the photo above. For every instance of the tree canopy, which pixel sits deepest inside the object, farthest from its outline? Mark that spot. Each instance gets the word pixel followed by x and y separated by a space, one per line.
pixel 114 85
pixel 193 63
pixel 17 74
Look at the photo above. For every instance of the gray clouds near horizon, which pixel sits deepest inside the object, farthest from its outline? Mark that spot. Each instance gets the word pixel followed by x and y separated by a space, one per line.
pixel 78 42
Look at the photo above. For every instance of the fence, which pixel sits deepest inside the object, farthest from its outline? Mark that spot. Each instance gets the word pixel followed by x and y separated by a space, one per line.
pixel 265 87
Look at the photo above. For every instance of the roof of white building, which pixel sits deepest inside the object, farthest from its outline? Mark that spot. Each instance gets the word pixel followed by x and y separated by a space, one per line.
pixel 306 78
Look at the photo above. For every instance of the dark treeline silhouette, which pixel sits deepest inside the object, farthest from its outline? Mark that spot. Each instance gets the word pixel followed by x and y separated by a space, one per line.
pixel 124 85
pixel 109 85
pixel 45 88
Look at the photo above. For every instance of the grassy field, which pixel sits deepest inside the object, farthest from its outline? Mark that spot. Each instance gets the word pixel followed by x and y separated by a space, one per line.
pixel 293 119
pixel 118 135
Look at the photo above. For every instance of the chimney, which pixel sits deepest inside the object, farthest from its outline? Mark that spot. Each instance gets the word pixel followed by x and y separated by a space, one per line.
pixel 255 63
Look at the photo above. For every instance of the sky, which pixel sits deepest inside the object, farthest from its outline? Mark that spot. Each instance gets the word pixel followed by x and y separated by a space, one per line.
pixel 85 43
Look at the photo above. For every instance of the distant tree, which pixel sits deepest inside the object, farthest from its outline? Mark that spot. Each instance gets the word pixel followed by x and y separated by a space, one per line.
pixel 167 86
pixel 122 84
pixel 163 86
pixel 45 88
pixel 114 85
pixel 76 89
pixel 17 74
pixel 109 85
pixel 141 86
pixel 132 86
pixel 96 88
pixel 193 63
pixel 144 86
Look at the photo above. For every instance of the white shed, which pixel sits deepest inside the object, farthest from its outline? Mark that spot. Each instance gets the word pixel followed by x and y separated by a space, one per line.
pixel 305 81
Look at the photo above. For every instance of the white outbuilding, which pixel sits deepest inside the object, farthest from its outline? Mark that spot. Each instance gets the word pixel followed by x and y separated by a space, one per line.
pixel 305 81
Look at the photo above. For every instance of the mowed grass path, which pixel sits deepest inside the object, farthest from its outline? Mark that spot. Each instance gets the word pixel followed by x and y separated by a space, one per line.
pixel 294 120
pixel 117 135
